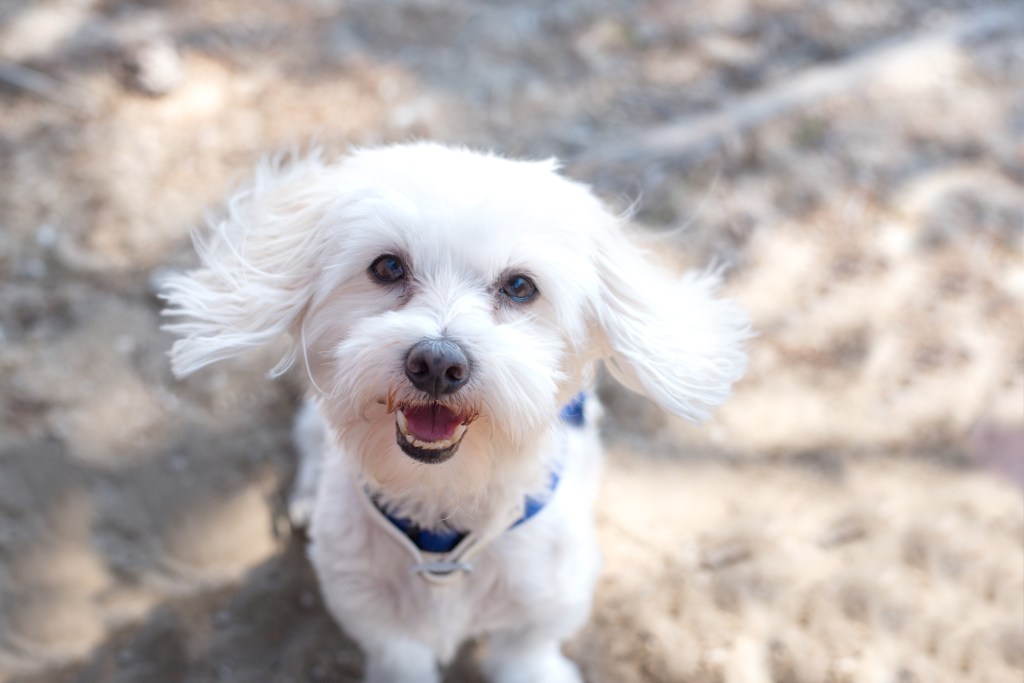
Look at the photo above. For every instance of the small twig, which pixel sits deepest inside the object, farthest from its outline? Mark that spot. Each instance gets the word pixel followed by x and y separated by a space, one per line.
pixel 694 137
pixel 41 84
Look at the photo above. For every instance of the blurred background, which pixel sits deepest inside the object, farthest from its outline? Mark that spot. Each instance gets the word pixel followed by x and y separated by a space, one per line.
pixel 854 514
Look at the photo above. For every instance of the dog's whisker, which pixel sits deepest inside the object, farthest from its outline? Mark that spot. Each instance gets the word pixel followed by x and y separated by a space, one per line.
pixel 454 510
pixel 305 360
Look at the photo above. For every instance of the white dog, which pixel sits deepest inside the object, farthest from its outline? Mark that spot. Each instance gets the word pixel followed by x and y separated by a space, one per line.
pixel 449 308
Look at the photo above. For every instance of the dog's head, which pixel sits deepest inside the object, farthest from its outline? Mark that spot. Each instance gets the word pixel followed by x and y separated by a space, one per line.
pixel 446 304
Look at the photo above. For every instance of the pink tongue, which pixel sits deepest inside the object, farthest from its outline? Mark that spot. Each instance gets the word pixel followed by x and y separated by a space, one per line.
pixel 431 423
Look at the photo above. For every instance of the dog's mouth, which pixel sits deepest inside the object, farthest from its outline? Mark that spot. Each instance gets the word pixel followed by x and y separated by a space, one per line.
pixel 430 432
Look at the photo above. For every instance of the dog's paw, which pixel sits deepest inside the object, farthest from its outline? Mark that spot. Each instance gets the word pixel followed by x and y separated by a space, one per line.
pixel 300 512
pixel 560 670
pixel 554 668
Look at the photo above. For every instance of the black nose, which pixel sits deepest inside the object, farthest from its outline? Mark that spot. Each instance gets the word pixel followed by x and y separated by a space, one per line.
pixel 437 366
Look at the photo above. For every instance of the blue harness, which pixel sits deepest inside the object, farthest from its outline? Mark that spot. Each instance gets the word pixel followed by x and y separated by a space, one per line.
pixel 445 540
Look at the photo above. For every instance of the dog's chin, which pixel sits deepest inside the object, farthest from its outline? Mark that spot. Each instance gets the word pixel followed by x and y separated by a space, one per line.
pixel 432 445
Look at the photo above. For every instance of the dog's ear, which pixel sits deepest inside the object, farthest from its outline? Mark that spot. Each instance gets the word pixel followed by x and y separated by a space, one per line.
pixel 258 268
pixel 669 338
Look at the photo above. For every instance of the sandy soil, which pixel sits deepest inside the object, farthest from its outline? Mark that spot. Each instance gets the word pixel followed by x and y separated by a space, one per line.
pixel 853 515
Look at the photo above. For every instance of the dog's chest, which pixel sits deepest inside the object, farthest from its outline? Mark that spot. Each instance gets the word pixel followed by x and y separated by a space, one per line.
pixel 445 615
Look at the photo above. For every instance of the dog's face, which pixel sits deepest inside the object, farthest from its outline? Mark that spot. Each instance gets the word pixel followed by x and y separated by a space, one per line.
pixel 459 319
pixel 446 304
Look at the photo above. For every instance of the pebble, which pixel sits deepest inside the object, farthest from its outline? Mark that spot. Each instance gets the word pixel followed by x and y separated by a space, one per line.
pixel 153 67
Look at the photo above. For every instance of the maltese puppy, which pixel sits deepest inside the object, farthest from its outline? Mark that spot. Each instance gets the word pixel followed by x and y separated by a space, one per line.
pixel 449 308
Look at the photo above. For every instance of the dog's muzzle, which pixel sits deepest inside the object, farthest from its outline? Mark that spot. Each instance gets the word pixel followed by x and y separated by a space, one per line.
pixel 431 431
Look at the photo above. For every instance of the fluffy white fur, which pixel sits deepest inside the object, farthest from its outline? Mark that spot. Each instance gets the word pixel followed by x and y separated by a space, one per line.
pixel 290 259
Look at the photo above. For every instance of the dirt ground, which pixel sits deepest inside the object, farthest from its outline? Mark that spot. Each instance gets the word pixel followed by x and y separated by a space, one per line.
pixel 853 515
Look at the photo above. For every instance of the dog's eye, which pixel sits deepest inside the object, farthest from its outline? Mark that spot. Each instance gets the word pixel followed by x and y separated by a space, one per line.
pixel 388 268
pixel 519 288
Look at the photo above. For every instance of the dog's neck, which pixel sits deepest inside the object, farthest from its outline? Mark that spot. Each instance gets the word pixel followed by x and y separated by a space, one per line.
pixel 438 502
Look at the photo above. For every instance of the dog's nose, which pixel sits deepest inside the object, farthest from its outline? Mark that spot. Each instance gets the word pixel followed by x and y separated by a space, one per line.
pixel 437 366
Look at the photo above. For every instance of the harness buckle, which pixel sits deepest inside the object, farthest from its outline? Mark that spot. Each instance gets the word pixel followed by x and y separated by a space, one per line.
pixel 442 567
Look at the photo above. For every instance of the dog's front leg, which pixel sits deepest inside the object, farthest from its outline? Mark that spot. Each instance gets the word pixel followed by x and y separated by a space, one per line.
pixel 399 660
pixel 311 441
pixel 533 655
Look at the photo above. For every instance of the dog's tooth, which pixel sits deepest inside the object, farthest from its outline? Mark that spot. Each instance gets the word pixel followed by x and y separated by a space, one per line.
pixel 431 445
pixel 403 424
